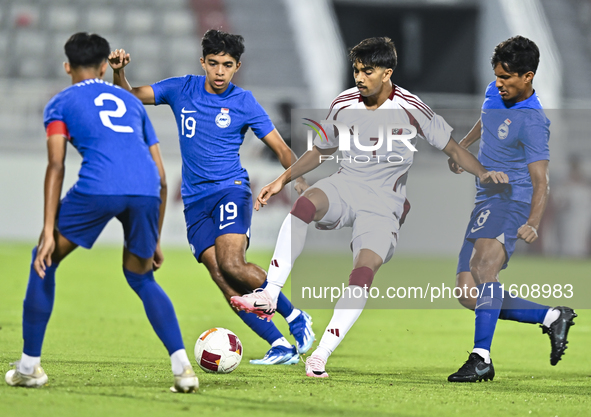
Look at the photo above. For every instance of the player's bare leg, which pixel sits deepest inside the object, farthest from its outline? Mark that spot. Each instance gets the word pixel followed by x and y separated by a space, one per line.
pixel 346 311
pixel 465 282
pixel 209 259
pixel 487 260
pixel 230 256
pixel 230 253
pixel 63 247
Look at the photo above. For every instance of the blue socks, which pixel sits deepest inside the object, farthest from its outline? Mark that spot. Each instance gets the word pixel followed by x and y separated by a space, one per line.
pixel 265 329
pixel 488 309
pixel 40 295
pixel 37 307
pixel 158 308
pixel 284 306
pixel 518 309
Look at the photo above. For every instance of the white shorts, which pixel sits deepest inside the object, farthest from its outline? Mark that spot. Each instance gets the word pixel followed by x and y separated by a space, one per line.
pixel 356 205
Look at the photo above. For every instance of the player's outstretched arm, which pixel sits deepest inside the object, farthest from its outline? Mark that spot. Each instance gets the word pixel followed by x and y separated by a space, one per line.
pixel 118 60
pixel 285 155
pixel 540 179
pixel 155 152
pixel 472 136
pixel 468 162
pixel 308 161
pixel 54 179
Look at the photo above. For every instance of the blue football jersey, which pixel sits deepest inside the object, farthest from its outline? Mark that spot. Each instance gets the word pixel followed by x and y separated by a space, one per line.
pixel 511 138
pixel 110 129
pixel 211 129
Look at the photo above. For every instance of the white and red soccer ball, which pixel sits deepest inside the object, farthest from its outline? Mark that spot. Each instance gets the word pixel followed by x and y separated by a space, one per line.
pixel 218 350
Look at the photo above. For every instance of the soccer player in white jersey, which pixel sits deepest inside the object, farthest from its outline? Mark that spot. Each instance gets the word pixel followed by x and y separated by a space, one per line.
pixel 368 195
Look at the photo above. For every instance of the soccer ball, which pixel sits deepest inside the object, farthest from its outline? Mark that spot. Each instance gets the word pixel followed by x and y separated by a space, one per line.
pixel 218 350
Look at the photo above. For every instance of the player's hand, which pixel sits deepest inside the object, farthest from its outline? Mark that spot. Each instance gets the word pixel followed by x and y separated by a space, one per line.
pixel 527 233
pixel 496 177
pixel 118 59
pixel 45 249
pixel 158 258
pixel 454 167
pixel 301 185
pixel 267 192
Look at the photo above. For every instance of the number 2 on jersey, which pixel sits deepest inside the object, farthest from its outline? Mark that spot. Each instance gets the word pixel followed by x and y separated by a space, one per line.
pixel 106 115
pixel 230 209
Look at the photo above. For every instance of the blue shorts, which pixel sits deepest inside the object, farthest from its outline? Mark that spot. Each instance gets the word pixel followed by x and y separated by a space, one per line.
pixel 226 211
pixel 495 218
pixel 82 218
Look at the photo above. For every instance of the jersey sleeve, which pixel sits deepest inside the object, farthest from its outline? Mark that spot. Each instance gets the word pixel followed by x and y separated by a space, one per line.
pixel 436 131
pixel 430 126
pixel 166 91
pixel 149 133
pixel 535 136
pixel 53 118
pixel 258 119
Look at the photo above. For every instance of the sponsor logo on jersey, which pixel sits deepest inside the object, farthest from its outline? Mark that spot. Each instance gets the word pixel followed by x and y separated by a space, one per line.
pixel 223 119
pixel 503 130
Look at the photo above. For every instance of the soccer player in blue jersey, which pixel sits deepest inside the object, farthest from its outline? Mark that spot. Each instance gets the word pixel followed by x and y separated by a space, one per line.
pixel 212 116
pixel 121 176
pixel 514 134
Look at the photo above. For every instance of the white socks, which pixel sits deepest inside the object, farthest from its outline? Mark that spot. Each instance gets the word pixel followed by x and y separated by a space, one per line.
pixel 282 341
pixel 27 364
pixel 289 246
pixel 484 353
pixel 346 312
pixel 551 316
pixel 179 360
pixel 294 314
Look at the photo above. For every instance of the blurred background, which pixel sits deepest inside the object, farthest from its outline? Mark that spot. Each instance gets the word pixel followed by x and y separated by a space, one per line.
pixel 296 58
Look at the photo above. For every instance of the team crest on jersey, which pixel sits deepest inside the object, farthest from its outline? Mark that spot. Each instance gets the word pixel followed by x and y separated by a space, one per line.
pixel 503 130
pixel 223 118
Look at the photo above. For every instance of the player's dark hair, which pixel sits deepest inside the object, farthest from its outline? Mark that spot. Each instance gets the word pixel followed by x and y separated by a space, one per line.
pixel 85 49
pixel 517 54
pixel 375 52
pixel 216 42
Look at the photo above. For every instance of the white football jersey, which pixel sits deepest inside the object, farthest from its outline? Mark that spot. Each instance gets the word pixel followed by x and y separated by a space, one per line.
pixel 383 170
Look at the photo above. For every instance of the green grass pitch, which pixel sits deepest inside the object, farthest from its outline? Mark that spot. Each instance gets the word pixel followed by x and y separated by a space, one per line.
pixel 103 359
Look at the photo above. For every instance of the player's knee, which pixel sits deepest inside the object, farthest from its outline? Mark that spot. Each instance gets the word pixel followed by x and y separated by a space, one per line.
pixel 231 266
pixel 138 281
pixel 304 209
pixel 467 301
pixel 481 268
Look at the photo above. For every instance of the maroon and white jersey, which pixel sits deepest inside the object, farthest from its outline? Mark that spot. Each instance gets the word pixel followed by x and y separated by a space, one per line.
pixel 382 170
